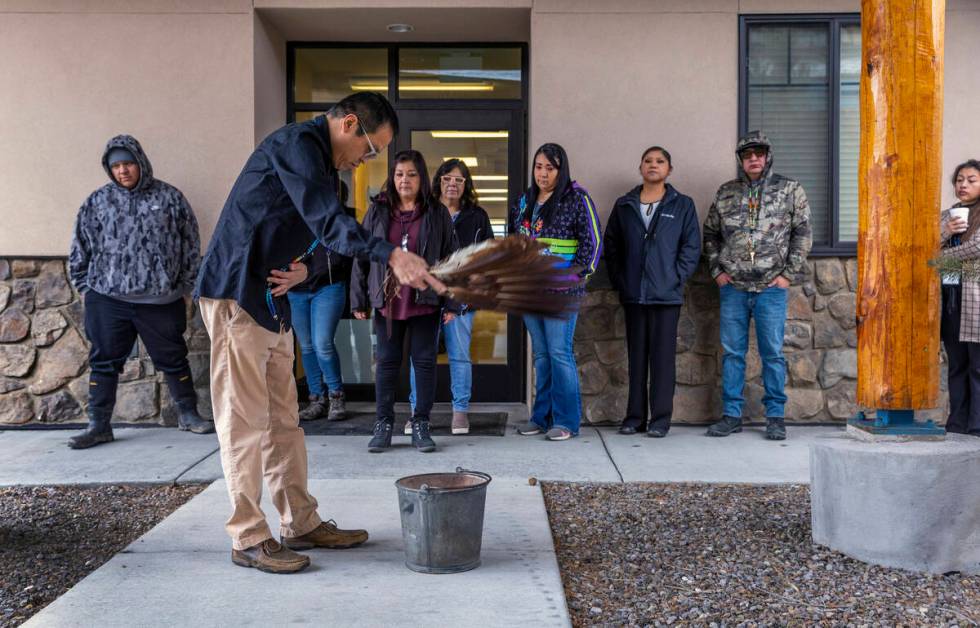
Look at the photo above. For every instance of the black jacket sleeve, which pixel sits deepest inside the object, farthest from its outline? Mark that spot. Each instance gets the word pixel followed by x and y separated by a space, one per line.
pixel 359 298
pixel 449 245
pixel 303 172
pixel 486 227
pixel 612 246
pixel 690 249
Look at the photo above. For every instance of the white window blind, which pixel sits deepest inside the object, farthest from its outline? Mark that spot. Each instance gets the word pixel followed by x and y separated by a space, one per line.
pixel 789 96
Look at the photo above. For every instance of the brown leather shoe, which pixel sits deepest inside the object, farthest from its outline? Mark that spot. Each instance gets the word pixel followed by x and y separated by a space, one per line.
pixel 271 557
pixel 326 535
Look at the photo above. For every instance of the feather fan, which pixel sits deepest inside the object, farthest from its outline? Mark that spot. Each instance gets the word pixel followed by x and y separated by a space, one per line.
pixel 512 274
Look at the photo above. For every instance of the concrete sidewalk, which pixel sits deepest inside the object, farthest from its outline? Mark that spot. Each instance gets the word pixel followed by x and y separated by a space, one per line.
pixel 180 573
pixel 158 455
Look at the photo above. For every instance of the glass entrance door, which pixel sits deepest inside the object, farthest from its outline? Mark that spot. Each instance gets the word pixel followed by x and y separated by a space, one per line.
pixel 491 143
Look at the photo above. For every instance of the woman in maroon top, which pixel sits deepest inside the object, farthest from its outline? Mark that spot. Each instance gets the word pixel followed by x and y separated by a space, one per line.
pixel 404 214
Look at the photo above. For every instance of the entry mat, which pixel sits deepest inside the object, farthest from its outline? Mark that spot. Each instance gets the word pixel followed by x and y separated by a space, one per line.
pixel 356 423
pixel 362 423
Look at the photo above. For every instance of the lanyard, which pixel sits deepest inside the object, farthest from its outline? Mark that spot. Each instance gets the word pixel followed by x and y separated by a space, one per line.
pixel 268 291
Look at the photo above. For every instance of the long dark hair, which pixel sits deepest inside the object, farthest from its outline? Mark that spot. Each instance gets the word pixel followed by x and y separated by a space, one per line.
pixel 468 198
pixel 425 188
pixel 557 157
pixel 973 222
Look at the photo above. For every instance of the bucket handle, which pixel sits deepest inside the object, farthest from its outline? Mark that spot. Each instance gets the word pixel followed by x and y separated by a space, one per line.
pixel 483 475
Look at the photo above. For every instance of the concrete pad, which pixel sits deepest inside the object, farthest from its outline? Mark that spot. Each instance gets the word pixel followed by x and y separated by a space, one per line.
pixel 913 505
pixel 581 459
pixel 139 455
pixel 687 455
pixel 180 574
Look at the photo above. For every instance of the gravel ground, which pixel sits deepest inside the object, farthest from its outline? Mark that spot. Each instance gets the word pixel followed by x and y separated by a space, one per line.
pixel 715 555
pixel 53 536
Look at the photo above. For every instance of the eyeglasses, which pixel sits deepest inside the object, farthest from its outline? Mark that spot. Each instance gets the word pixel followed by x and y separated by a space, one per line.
pixel 754 152
pixel 372 151
pixel 450 179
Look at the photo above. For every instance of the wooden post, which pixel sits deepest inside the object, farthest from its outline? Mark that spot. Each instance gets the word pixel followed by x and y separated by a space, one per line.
pixel 900 175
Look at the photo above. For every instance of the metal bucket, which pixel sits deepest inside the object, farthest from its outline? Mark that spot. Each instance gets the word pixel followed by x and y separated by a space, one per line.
pixel 442 520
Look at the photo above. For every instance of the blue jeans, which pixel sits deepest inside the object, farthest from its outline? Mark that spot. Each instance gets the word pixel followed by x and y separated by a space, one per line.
pixel 768 308
pixel 315 317
pixel 557 402
pixel 457 333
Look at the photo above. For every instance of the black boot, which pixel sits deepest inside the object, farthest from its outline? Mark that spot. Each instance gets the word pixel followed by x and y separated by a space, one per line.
pixel 775 428
pixel 420 436
pixel 382 436
pixel 99 430
pixel 190 420
pixel 181 387
pixel 727 425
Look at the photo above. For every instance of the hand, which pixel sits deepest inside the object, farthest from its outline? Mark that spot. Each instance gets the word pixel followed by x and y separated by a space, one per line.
pixel 723 279
pixel 779 282
pixel 448 317
pixel 282 280
pixel 362 315
pixel 411 270
pixel 188 306
pixel 957 225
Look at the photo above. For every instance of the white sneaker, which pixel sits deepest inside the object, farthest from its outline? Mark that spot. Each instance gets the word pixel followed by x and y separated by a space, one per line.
pixel 408 428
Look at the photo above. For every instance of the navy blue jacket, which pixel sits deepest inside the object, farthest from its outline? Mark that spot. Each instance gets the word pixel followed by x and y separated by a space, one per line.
pixel 284 199
pixel 651 266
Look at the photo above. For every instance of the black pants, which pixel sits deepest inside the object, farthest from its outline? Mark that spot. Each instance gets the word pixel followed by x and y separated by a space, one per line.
pixel 964 368
pixel 651 341
pixel 422 333
pixel 112 326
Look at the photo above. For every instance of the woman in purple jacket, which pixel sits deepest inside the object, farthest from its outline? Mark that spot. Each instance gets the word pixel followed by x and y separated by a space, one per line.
pixel 556 211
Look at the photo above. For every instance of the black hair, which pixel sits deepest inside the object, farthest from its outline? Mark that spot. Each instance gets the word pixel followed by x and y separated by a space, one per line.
pixel 969 163
pixel 557 157
pixel 371 108
pixel 468 198
pixel 425 188
pixel 660 149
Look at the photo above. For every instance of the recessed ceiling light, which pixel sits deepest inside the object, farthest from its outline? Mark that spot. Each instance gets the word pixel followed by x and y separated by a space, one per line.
pixel 400 28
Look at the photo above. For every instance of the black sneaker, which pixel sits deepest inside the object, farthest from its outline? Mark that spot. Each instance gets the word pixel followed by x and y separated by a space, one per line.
pixel 657 432
pixel 382 436
pixel 628 430
pixel 775 428
pixel 420 436
pixel 727 425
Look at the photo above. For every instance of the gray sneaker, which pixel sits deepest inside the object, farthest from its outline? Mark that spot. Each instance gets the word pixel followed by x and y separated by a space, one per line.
pixel 530 429
pixel 461 423
pixel 558 433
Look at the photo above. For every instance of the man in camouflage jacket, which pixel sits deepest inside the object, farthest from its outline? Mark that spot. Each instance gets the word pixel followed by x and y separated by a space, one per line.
pixel 756 239
pixel 134 258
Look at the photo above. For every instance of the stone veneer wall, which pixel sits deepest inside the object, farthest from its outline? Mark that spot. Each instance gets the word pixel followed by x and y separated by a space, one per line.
pixel 820 348
pixel 44 355
pixel 44 352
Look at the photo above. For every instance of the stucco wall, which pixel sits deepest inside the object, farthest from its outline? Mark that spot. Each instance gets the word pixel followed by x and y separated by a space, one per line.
pixel 609 79
pixel 177 75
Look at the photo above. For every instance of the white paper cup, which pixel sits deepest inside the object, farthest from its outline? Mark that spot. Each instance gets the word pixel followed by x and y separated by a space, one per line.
pixel 960 212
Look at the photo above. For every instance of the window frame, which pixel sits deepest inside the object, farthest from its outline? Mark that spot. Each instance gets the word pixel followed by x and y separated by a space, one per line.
pixel 829 244
pixel 404 104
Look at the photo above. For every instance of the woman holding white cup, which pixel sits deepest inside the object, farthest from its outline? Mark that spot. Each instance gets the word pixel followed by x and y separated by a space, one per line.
pixel 960 322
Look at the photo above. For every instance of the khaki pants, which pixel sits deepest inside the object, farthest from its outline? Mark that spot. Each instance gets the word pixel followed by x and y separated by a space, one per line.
pixel 255 414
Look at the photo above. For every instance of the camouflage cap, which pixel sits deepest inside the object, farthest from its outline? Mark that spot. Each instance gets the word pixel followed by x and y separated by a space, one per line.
pixel 753 138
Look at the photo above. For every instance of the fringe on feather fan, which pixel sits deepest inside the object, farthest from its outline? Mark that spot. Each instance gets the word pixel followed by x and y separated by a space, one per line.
pixel 512 274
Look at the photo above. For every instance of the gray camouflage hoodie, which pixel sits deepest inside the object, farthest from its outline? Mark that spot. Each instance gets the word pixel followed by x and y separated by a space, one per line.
pixel 756 247
pixel 140 245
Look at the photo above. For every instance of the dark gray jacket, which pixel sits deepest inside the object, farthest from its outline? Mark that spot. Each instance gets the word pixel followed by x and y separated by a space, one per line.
pixel 138 245
pixel 437 240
